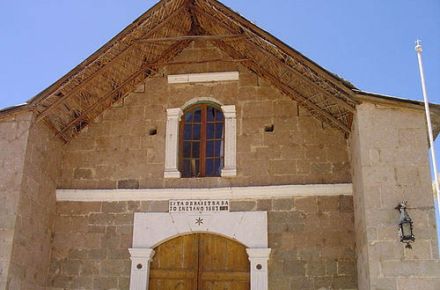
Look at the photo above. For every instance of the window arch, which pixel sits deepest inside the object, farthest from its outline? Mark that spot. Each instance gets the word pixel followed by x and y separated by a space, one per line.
pixel 173 140
pixel 202 135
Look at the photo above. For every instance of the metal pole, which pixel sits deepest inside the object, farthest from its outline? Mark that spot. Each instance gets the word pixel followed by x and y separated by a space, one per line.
pixel 431 139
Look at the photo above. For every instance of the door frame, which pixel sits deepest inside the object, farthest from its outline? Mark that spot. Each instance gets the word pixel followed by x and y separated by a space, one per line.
pixel 152 229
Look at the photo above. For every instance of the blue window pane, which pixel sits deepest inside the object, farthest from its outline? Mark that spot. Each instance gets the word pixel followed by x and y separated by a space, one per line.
pixel 217 167
pixel 210 149
pixel 210 131
pixel 218 147
pixel 211 113
pixel 219 131
pixel 210 169
pixel 186 168
pixel 195 171
pixel 195 149
pixel 186 149
pixel 196 132
pixel 219 115
pixel 197 115
pixel 187 132
pixel 188 117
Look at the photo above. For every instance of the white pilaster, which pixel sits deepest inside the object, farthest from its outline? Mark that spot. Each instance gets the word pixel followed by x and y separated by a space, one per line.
pixel 172 143
pixel 259 273
pixel 140 268
pixel 230 167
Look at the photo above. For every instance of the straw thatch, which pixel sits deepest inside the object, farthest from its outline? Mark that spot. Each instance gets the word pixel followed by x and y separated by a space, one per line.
pixel 156 37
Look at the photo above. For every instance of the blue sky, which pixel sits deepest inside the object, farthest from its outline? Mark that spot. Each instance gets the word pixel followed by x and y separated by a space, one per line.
pixel 368 42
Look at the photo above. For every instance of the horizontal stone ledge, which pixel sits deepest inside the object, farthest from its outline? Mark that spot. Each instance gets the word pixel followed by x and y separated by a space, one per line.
pixel 252 192
pixel 204 77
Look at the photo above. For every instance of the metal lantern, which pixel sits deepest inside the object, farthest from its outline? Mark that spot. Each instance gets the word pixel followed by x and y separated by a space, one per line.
pixel 405 226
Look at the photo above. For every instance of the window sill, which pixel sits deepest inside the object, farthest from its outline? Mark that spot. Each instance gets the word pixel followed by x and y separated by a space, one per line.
pixel 177 174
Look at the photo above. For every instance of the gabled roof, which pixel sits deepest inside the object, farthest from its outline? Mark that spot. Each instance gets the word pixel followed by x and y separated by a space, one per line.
pixel 150 42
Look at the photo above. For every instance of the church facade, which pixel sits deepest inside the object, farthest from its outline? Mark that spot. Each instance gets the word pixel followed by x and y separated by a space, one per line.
pixel 197 151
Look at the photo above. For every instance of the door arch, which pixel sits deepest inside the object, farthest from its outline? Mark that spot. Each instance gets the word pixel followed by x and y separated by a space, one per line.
pixel 152 229
pixel 200 261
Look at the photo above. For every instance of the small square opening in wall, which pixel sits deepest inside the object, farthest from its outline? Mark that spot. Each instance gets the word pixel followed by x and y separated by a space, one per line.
pixel 152 132
pixel 269 129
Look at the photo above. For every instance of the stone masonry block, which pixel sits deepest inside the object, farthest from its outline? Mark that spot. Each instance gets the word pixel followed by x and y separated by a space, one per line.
pixel 306 204
pixel 154 206
pixel 264 204
pixel 421 250
pixel 115 267
pixel 114 207
pixel 419 268
pixel 128 184
pixel 242 205
pixel 282 204
pixel 418 283
pixel 78 208
pixel 102 283
pixel 295 268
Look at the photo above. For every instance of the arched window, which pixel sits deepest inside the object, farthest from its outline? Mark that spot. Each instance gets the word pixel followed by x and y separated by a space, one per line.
pixel 216 150
pixel 202 135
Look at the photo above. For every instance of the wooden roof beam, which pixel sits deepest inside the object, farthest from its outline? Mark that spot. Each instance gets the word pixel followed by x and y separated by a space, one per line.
pixel 87 80
pixel 280 62
pixel 286 89
pixel 168 54
pixel 192 37
pixel 207 61
pixel 101 51
pixel 272 39
pixel 195 25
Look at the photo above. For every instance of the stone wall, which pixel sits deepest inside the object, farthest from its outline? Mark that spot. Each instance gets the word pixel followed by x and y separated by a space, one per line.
pixel 390 164
pixel 311 238
pixel 35 209
pixel 117 150
pixel 13 140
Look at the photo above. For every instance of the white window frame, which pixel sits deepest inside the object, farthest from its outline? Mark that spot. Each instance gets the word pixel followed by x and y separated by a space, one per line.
pixel 174 116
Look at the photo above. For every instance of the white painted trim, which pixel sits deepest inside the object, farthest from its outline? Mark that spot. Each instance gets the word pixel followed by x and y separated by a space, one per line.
pixel 230 156
pixel 203 77
pixel 259 270
pixel 153 229
pixel 172 143
pixel 140 267
pixel 229 172
pixel 200 100
pixel 251 192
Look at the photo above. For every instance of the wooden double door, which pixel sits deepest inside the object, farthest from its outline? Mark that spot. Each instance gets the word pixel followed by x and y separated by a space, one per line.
pixel 200 262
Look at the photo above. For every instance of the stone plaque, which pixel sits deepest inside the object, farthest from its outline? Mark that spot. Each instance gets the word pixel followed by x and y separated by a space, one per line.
pixel 199 205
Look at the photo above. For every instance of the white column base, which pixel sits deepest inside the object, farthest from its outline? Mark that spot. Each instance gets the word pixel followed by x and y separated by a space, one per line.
pixel 140 268
pixel 259 272
pixel 229 172
pixel 172 174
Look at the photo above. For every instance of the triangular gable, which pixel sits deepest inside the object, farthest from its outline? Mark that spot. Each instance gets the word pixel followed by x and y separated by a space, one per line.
pixel 156 37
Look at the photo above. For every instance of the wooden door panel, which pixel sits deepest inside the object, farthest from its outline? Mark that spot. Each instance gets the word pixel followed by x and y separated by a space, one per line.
pixel 170 284
pixel 223 264
pixel 225 276
pixel 175 265
pixel 178 253
pixel 173 274
pixel 200 262
pixel 224 285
